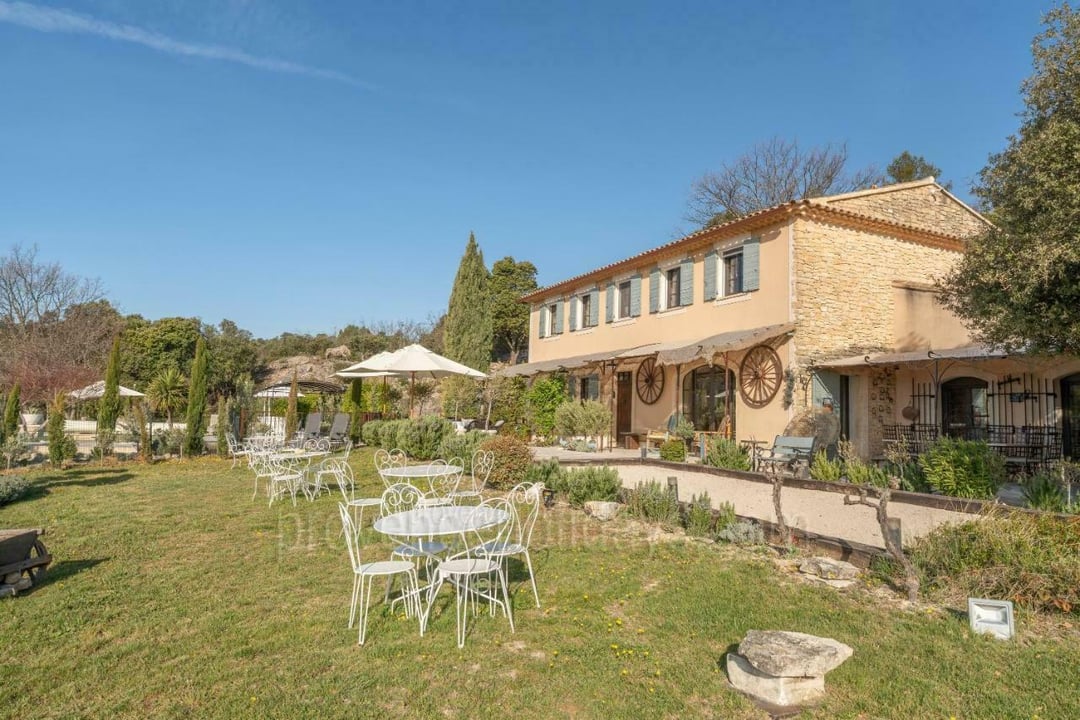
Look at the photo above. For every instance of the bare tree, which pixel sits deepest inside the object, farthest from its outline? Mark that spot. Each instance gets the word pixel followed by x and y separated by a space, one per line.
pixel 55 327
pixel 770 173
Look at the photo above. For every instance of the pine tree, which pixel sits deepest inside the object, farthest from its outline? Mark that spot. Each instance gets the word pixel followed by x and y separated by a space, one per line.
pixel 11 414
pixel 469 334
pixel 196 409
pixel 109 405
pixel 291 421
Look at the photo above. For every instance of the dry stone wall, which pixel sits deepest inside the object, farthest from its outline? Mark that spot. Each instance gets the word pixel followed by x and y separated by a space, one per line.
pixel 926 206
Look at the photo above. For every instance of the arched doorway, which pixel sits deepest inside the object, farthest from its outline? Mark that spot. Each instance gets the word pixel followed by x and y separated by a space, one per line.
pixel 963 408
pixel 705 398
pixel 1070 416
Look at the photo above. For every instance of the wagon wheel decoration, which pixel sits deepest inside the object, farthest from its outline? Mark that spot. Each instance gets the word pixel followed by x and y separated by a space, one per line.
pixel 759 376
pixel 650 381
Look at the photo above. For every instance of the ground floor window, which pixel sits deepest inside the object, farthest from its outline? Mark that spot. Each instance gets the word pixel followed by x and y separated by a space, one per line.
pixel 705 398
pixel 963 406
pixel 583 388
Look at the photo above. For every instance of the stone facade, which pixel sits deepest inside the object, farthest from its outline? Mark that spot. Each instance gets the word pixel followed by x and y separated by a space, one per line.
pixel 923 204
pixel 843 286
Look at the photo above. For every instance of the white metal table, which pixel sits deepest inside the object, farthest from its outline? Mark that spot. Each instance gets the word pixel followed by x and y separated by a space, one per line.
pixel 439 521
pixel 425 471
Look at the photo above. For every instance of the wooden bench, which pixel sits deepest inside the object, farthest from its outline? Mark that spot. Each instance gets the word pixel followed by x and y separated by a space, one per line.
pixel 786 453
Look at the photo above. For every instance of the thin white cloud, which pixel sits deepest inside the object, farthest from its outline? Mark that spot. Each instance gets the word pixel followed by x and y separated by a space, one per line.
pixel 52 20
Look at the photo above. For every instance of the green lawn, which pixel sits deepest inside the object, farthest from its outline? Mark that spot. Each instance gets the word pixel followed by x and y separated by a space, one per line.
pixel 174 594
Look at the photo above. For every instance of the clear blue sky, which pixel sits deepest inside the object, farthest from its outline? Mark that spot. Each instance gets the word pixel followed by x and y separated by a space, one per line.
pixel 299 166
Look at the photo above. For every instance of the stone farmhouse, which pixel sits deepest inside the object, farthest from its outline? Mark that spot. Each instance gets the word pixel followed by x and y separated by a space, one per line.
pixel 825 301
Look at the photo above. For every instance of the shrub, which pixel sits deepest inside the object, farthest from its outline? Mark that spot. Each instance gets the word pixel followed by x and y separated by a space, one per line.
pixel 370 432
pixel 594 419
pixel 725 516
pixel 542 399
pixel 1030 558
pixel 12 488
pixel 462 446
pixel 725 453
pixel 420 438
pixel 592 483
pixel 742 532
pixel 654 503
pixel 566 420
pixel 512 460
pixel 963 468
pixel 673 450
pixel 824 469
pixel 859 472
pixel 106 439
pixel 1043 491
pixel 550 473
pixel 389 432
pixel 14 448
pixel 699 519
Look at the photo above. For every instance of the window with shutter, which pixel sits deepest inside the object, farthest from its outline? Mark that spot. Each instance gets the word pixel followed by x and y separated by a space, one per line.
pixel 571 311
pixel 594 308
pixel 686 282
pixel 654 290
pixel 609 304
pixel 674 288
pixel 635 296
pixel 751 258
pixel 624 300
pixel 733 273
pixel 543 328
pixel 711 260
pixel 557 313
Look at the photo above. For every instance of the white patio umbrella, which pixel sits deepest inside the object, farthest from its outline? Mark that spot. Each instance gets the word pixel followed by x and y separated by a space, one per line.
pixel 413 361
pixel 95 391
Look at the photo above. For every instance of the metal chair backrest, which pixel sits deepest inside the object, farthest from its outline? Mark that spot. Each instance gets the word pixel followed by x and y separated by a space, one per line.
pixel 399 497
pixel 499 534
pixel 483 462
pixel 352 537
pixel 525 498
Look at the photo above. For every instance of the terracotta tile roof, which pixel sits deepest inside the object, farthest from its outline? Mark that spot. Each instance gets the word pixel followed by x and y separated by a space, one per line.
pixel 754 221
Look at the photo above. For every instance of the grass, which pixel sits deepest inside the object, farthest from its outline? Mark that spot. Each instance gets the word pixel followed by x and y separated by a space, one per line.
pixel 174 594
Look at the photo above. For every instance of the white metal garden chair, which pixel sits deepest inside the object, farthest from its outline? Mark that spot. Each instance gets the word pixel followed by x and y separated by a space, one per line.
pixel 384 460
pixel 365 573
pixel 443 482
pixel 285 479
pixel 483 461
pixel 258 462
pixel 467 570
pixel 525 501
pixel 347 484
pixel 401 497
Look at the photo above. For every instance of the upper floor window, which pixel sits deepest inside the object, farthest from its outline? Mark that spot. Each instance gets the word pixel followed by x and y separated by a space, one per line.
pixel 585 308
pixel 674 287
pixel 623 302
pixel 733 273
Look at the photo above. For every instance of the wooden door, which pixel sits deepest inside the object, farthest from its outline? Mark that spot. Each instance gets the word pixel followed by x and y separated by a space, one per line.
pixel 624 398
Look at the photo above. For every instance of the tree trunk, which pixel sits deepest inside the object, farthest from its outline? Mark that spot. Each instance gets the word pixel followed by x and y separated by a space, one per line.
pixel 781 523
pixel 911 575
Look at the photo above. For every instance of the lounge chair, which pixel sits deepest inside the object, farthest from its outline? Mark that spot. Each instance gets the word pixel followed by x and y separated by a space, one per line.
pixel 312 426
pixel 339 429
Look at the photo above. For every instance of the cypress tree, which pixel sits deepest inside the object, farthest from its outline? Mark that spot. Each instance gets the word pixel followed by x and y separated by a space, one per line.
pixel 109 405
pixel 469 335
pixel 356 399
pixel 11 414
pixel 196 409
pixel 54 431
pixel 224 426
pixel 291 422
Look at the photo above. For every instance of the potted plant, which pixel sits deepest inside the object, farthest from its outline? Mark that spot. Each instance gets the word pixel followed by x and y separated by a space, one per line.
pixel 684 430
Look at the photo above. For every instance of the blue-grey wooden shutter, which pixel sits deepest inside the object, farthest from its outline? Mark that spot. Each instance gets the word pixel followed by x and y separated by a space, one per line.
pixel 558 318
pixel 543 321
pixel 750 262
pixel 609 309
pixel 712 261
pixel 654 290
pixel 571 311
pixel 594 308
pixel 635 295
pixel 686 282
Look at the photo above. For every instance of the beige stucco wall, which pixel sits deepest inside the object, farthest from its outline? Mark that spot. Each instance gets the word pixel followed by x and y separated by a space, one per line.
pixel 766 306
pixel 926 206
pixel 920 321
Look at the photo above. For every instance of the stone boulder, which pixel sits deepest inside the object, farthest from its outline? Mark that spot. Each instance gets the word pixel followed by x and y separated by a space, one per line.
pixel 792 654
pixel 602 510
pixel 829 569
pixel 777 691
pixel 784 670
